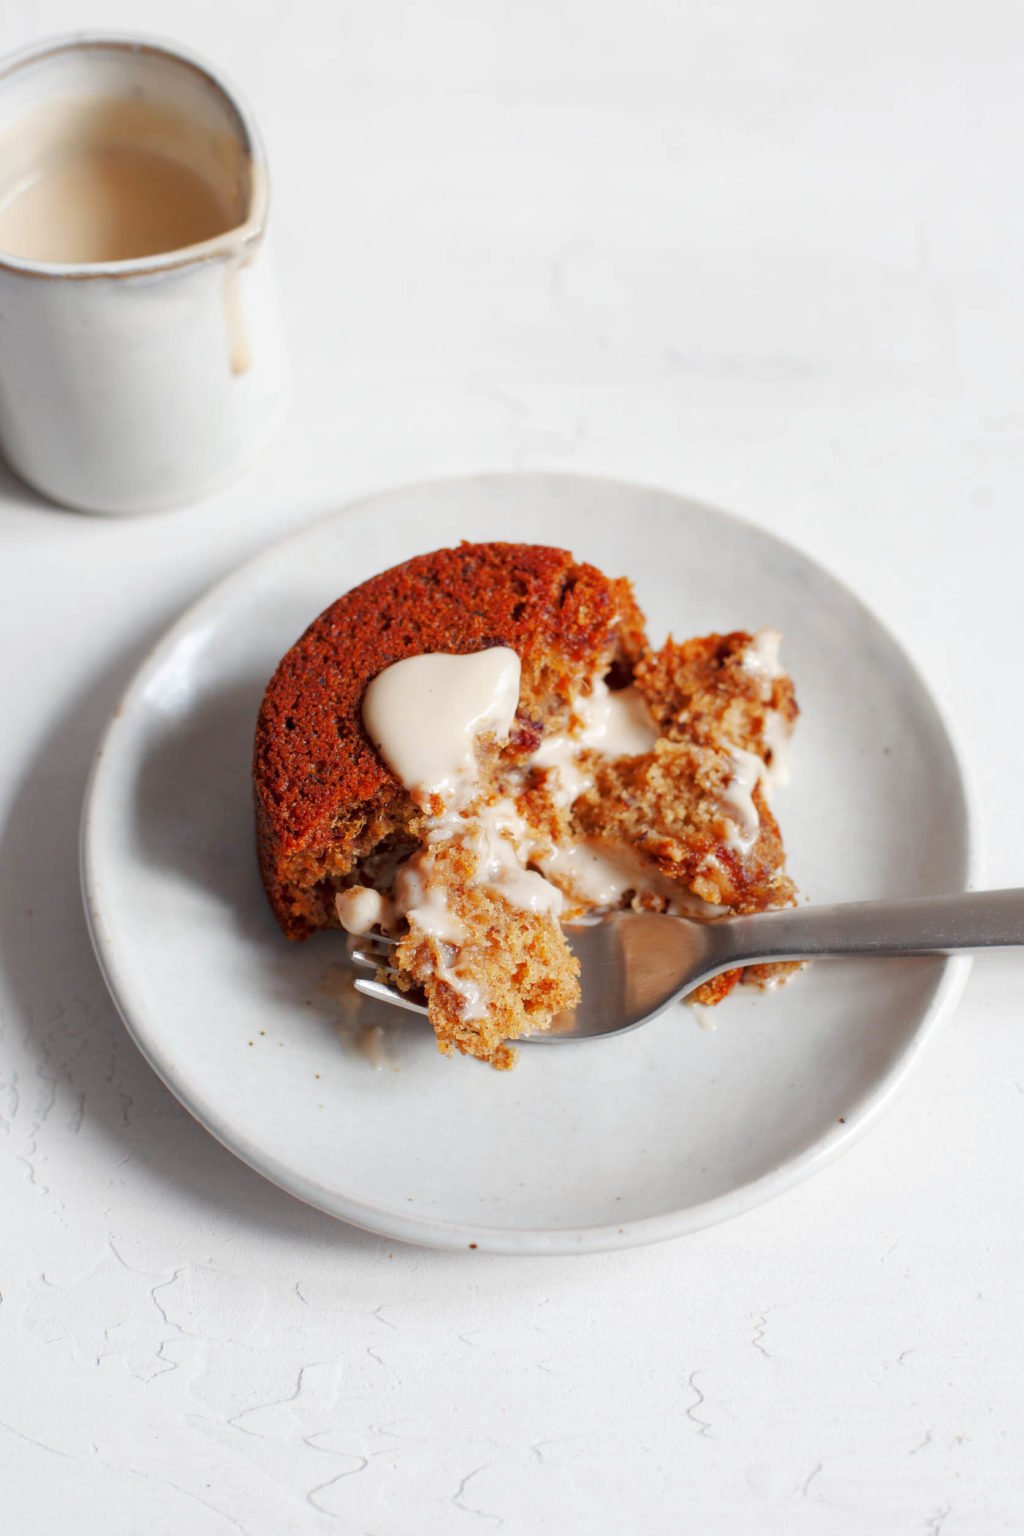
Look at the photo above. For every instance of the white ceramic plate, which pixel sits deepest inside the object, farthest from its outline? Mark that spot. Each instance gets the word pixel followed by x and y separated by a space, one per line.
pixel 587 1146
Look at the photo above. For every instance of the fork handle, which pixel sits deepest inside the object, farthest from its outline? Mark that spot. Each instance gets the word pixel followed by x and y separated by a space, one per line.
pixel 922 926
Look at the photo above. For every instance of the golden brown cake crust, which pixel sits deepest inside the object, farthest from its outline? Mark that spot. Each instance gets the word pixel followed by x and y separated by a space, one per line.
pixel 323 794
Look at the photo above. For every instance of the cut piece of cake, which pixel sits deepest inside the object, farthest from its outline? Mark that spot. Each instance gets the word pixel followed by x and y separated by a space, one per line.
pixel 479 744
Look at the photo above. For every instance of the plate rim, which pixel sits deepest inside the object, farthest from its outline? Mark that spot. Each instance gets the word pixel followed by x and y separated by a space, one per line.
pixel 430 1232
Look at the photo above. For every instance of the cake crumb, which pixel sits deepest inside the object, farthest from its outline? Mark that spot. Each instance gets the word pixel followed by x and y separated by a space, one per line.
pixel 626 776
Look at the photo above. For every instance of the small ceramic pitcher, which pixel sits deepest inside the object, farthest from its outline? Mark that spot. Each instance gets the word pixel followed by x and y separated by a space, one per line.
pixel 129 385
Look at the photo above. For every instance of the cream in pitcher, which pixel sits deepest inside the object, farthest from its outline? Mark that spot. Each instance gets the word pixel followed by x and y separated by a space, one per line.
pixel 143 355
pixel 100 203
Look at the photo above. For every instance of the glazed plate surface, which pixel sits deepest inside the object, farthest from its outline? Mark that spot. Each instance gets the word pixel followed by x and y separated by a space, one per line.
pixel 585 1146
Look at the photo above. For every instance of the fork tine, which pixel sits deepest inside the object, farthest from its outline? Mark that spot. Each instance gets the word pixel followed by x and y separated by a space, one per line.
pixel 370 950
pixel 371 959
pixel 385 994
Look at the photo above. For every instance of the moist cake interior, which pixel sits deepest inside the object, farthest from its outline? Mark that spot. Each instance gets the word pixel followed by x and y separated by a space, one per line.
pixel 611 775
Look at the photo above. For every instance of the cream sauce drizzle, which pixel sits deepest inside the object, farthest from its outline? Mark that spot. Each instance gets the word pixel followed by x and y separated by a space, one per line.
pixel 617 724
pixel 502 844
pixel 424 715
pixel 598 876
pixel 776 739
pixel 738 799
pixel 761 660
pixel 761 657
pixel 424 901
pixel 360 909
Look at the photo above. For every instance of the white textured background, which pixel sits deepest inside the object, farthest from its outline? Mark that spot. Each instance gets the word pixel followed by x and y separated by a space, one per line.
pixel 772 256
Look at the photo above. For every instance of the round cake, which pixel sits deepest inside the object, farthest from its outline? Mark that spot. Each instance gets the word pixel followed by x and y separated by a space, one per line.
pixel 324 796
pixel 621 776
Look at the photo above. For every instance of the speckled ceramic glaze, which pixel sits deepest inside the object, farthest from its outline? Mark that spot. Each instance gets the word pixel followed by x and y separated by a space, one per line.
pixel 132 385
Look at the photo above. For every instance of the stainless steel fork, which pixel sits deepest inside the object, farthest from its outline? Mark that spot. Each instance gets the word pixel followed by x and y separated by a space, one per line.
pixel 633 964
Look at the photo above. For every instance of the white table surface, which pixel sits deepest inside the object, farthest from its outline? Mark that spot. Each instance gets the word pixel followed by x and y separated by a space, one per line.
pixel 769 255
